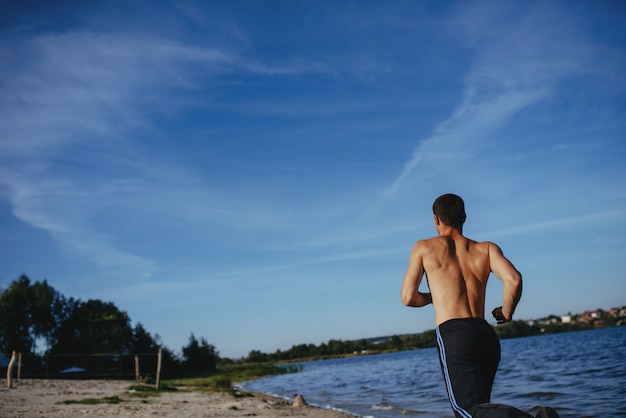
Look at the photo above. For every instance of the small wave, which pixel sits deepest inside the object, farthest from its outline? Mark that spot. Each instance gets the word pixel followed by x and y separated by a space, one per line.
pixel 384 406
pixel 343 411
pixel 546 396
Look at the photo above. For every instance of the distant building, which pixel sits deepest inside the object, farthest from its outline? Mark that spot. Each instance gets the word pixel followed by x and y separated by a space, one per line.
pixel 589 316
pixel 566 319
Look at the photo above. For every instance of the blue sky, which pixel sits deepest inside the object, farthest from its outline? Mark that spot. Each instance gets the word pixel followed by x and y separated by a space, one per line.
pixel 256 172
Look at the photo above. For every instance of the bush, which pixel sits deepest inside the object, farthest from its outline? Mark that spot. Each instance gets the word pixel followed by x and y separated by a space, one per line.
pixel 221 382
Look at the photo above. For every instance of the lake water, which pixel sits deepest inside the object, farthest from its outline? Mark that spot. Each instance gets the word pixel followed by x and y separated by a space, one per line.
pixel 580 374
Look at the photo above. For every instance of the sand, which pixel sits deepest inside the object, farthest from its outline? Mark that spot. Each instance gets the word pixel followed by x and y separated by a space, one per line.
pixel 29 398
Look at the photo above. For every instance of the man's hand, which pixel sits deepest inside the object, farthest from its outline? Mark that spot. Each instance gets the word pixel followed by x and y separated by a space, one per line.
pixel 499 316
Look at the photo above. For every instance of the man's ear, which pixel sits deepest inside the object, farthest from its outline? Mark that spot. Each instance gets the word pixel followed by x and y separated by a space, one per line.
pixel 437 220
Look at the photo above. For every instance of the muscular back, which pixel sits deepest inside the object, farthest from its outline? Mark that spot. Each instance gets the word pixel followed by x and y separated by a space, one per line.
pixel 457 270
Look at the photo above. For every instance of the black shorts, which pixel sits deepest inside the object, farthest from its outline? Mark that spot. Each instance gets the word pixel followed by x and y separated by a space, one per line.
pixel 469 353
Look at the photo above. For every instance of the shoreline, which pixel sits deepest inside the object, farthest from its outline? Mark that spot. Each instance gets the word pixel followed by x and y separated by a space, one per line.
pixel 52 398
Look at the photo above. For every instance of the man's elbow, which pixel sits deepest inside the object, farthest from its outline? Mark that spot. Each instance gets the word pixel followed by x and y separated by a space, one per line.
pixel 406 299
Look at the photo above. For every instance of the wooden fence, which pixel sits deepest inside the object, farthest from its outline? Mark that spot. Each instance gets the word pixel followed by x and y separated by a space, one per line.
pixel 14 373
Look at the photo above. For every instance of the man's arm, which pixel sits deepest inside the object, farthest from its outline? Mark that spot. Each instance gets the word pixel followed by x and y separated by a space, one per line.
pixel 410 294
pixel 511 281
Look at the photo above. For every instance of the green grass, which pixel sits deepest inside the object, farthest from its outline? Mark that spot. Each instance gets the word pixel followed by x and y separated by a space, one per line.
pixel 93 401
pixel 223 378
pixel 144 391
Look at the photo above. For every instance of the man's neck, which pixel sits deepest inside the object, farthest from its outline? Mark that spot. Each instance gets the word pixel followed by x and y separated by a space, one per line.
pixel 449 231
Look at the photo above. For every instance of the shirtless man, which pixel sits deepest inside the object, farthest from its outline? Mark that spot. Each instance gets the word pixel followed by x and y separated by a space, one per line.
pixel 457 269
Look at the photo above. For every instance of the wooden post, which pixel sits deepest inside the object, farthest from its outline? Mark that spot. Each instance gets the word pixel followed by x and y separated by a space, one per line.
pixel 10 371
pixel 137 377
pixel 19 366
pixel 158 373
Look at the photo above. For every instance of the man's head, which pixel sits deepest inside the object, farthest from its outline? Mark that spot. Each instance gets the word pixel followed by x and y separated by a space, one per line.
pixel 450 210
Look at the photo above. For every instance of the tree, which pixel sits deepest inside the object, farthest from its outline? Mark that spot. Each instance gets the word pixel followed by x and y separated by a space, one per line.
pixel 142 342
pixel 73 330
pixel 395 343
pixel 28 312
pixel 199 356
pixel 255 356
pixel 93 327
pixel 515 329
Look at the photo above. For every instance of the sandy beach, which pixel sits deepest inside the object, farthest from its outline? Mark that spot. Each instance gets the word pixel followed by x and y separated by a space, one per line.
pixel 31 398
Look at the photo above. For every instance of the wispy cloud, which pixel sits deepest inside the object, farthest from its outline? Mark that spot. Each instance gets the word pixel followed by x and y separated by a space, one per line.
pixel 83 86
pixel 73 103
pixel 64 210
pixel 511 71
pixel 557 224
pixel 460 137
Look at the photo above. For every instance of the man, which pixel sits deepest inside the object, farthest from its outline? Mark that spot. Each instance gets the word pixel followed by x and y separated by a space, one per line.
pixel 457 269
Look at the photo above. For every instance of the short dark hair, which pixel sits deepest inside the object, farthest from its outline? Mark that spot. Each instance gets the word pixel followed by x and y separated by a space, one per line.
pixel 450 209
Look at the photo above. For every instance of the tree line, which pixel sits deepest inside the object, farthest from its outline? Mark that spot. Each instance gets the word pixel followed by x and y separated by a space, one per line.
pixel 426 339
pixel 90 334
pixel 339 348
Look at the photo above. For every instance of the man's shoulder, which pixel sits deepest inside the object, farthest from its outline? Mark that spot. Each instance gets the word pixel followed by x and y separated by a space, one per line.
pixel 429 244
pixel 432 241
pixel 487 247
pixel 487 244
